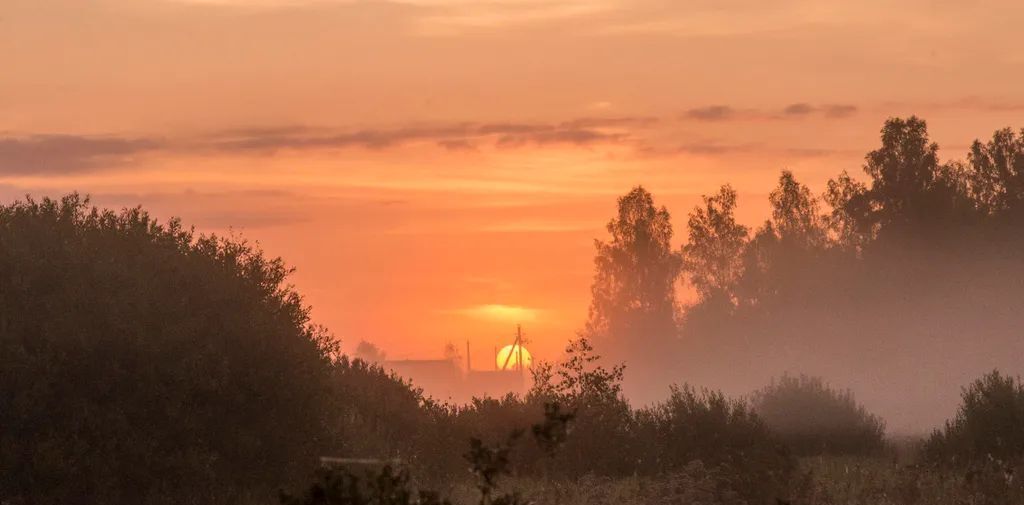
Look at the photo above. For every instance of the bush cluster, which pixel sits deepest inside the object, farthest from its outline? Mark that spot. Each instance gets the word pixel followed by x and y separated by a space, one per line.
pixel 987 428
pixel 142 363
pixel 813 418
pixel 609 438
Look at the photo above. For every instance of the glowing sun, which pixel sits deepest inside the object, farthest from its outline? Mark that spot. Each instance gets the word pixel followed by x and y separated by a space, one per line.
pixel 508 357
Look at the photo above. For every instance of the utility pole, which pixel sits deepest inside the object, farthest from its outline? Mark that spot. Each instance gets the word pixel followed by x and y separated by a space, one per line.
pixel 515 347
pixel 519 347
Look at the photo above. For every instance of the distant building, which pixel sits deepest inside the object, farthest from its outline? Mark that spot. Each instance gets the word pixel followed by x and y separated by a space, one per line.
pixel 495 383
pixel 443 380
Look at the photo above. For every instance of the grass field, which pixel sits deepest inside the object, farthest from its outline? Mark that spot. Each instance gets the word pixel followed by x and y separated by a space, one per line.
pixel 892 479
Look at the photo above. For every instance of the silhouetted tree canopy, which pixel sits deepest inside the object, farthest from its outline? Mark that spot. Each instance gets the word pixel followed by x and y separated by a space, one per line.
pixel 369 352
pixel 633 309
pixel 794 236
pixel 712 256
pixel 142 363
pixel 911 192
pixel 997 173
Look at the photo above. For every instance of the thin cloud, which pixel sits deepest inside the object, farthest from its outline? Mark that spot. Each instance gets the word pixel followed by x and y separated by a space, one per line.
pixel 839 111
pixel 579 137
pixel 612 122
pixel 816 152
pixel 272 140
pixel 712 113
pixel 62 154
pixel 799 110
pixel 511 128
pixel 458 136
pixel 716 149
pixel 457 145
pixel 70 154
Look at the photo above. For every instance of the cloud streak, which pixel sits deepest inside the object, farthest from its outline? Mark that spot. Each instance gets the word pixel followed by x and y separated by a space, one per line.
pixel 48 155
pixel 715 148
pixel 459 136
pixel 74 154
pixel 63 154
pixel 793 111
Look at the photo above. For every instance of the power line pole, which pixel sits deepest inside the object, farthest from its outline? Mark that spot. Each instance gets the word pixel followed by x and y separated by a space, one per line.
pixel 519 347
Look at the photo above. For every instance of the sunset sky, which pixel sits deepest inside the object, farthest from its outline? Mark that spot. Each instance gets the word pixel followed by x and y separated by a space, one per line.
pixel 437 170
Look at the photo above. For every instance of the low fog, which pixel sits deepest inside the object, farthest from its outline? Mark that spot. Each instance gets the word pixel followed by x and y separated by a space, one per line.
pixel 901 284
pixel 904 339
pixel 141 362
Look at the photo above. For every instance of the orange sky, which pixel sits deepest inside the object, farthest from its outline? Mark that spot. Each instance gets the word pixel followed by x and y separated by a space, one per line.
pixel 422 162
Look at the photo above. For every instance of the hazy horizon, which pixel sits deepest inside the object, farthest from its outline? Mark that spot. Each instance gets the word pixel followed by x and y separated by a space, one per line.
pixel 438 170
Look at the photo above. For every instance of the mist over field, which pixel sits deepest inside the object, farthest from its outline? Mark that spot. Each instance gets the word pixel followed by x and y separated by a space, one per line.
pixel 877 321
pixel 511 252
pixel 904 338
pixel 905 345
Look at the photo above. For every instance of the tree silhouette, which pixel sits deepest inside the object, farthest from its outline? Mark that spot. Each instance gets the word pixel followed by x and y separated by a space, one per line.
pixel 451 353
pixel 633 310
pixel 997 173
pixel 140 363
pixel 795 214
pixel 712 257
pixel 787 243
pixel 911 193
pixel 370 352
pixel 903 171
pixel 850 221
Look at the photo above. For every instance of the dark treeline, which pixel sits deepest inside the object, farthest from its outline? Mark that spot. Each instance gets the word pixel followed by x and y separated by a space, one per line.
pixel 142 363
pixel 908 278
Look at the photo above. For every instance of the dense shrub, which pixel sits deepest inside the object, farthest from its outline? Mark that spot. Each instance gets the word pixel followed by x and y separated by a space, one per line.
pixel 386 486
pixel 591 392
pixel 488 463
pixel 813 418
pixel 376 414
pixel 988 426
pixel 141 363
pixel 604 418
pixel 487 419
pixel 723 435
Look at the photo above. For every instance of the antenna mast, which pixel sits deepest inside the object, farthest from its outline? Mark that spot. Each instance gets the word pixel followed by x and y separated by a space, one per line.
pixel 517 347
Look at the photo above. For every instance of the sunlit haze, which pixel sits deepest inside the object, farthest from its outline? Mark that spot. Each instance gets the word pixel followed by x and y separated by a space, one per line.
pixel 545 252
pixel 437 170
